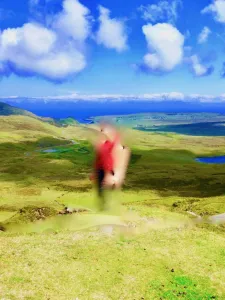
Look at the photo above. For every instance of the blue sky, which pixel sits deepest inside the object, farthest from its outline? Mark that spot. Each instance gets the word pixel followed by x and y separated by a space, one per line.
pixel 135 47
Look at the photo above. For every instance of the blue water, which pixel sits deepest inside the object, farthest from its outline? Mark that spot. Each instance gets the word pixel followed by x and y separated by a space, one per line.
pixel 82 150
pixel 212 160
pixel 83 110
pixel 49 151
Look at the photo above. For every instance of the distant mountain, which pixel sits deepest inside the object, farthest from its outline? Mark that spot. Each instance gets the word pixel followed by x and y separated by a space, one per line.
pixel 8 110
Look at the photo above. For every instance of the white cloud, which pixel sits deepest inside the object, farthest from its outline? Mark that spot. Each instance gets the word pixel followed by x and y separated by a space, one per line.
pixel 165 45
pixel 112 32
pixel 55 52
pixel 217 8
pixel 175 96
pixel 206 98
pixel 160 97
pixel 32 39
pixel 162 11
pixel 203 36
pixel 73 21
pixel 199 69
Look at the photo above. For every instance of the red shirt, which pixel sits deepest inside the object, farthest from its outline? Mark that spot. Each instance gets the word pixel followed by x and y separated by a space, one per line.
pixel 104 160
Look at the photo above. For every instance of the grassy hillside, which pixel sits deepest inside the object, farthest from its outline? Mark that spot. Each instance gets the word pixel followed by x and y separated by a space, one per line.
pixel 67 122
pixel 7 110
pixel 25 128
pixel 162 254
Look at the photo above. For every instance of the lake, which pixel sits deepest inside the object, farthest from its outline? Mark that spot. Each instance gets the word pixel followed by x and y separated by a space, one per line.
pixel 49 151
pixel 212 160
pixel 63 149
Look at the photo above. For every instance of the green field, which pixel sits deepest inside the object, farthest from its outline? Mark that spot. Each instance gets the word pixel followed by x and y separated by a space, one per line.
pixel 157 119
pixel 152 249
pixel 193 124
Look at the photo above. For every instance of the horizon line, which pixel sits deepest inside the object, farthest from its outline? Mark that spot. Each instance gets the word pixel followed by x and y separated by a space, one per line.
pixel 172 96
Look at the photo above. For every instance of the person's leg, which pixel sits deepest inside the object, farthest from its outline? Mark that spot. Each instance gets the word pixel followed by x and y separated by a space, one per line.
pixel 102 193
pixel 100 188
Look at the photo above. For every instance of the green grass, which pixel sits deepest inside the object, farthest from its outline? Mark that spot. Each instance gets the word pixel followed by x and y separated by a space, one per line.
pixel 7 110
pixel 67 122
pixel 163 255
pixel 162 263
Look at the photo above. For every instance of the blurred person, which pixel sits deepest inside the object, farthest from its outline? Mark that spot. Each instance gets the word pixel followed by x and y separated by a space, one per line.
pixel 110 162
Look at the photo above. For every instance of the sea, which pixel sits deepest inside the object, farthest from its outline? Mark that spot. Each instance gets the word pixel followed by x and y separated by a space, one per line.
pixel 84 111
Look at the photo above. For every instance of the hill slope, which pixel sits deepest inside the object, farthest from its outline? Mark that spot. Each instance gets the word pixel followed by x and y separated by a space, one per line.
pixel 161 255
pixel 7 110
pixel 17 128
